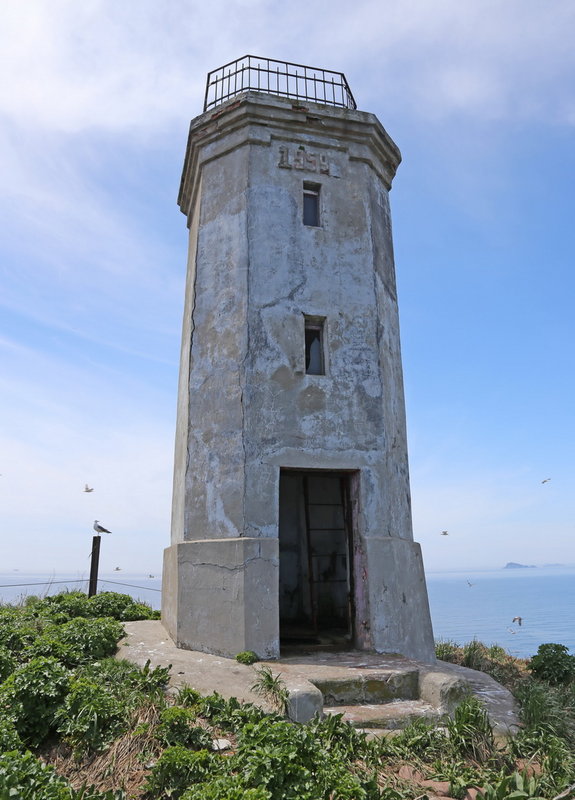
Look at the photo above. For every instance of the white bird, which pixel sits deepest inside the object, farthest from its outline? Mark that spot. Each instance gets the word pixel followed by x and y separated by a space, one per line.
pixel 87 488
pixel 99 529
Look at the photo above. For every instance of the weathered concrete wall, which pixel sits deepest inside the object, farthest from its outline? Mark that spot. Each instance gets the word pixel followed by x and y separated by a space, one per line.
pixel 226 595
pixel 246 405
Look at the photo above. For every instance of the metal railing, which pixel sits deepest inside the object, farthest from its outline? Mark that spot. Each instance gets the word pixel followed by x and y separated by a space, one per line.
pixel 280 78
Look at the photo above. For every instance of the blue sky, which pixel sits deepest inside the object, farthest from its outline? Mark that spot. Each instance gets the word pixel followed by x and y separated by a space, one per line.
pixel 95 103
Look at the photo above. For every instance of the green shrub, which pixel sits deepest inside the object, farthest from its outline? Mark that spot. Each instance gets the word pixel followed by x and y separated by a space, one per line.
pixel 553 664
pixel 153 680
pixel 17 634
pixel 31 696
pixel 178 768
pixel 7 663
pixel 90 717
pixel 230 715
pixel 77 640
pixel 109 604
pixel 133 685
pixel 9 739
pixel 339 736
pixel 247 657
pixel 51 646
pixel 176 726
pixel 69 604
pixel 138 611
pixel 228 787
pixel 188 697
pixel 92 638
pixel 25 777
pixel 518 786
pixel 289 761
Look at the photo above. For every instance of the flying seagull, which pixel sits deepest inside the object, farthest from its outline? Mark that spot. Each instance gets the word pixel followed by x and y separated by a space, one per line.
pixel 99 529
pixel 444 533
pixel 546 480
pixel 87 488
pixel 518 620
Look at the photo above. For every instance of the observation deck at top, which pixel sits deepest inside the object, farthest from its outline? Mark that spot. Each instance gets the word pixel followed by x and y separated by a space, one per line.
pixel 282 78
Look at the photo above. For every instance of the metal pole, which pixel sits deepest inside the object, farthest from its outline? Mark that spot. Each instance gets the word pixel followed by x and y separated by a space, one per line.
pixel 93 586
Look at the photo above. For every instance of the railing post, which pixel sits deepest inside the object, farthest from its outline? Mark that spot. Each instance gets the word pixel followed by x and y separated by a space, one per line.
pixel 93 585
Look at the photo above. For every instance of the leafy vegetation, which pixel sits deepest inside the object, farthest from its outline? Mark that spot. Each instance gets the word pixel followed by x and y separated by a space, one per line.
pixel 76 723
pixel 553 664
pixel 247 657
pixel 272 688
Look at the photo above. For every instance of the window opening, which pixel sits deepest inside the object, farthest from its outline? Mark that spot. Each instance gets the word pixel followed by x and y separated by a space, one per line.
pixel 314 355
pixel 311 204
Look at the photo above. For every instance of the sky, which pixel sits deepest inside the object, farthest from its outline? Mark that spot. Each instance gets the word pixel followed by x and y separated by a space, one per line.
pixel 95 103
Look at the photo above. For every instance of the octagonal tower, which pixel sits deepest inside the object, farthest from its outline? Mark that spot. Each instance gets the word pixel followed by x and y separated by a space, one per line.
pixel 291 519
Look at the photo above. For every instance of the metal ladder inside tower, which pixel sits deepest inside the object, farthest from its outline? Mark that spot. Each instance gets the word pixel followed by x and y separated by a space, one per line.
pixel 313 556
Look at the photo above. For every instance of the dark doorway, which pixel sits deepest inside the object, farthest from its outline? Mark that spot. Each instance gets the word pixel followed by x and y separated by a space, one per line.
pixel 315 539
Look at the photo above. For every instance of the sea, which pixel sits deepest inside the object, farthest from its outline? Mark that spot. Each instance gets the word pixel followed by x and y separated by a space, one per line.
pixel 464 605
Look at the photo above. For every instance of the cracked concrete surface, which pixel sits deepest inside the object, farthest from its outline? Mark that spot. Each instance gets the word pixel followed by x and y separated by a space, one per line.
pixel 322 678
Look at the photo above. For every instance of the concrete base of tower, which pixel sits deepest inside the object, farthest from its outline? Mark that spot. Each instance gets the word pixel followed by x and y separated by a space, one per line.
pixel 399 608
pixel 220 596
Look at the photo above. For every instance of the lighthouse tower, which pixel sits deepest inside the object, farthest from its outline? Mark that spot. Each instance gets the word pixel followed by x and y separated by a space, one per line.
pixel 291 520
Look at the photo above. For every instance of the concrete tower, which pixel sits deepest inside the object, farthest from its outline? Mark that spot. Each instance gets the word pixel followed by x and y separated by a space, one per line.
pixel 291 520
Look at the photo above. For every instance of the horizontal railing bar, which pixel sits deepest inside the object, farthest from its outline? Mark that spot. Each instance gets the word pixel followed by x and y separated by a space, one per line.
pixel 282 78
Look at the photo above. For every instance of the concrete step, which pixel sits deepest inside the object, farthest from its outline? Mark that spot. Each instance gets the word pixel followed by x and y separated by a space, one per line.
pixel 381 686
pixel 394 715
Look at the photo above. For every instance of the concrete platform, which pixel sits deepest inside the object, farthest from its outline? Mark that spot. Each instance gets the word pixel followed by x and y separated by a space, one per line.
pixel 391 690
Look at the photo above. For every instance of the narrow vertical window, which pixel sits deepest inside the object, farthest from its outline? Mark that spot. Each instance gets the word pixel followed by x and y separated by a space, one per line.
pixel 314 346
pixel 311 204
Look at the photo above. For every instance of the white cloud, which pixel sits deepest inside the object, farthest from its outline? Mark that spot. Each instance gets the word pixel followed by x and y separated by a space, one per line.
pixel 98 64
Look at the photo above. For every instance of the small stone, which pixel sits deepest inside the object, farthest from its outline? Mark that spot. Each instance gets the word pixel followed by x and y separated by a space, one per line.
pixel 408 773
pixel 221 744
pixel 440 788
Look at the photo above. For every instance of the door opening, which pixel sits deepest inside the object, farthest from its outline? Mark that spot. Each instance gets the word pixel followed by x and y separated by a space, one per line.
pixel 316 571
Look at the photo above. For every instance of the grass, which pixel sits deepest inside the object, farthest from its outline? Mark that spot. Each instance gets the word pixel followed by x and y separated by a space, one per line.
pixel 111 726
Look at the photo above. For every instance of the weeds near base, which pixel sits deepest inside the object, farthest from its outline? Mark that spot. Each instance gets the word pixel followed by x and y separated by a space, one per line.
pixel 272 688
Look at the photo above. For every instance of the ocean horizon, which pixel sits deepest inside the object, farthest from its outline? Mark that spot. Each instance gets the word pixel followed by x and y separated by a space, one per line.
pixel 464 604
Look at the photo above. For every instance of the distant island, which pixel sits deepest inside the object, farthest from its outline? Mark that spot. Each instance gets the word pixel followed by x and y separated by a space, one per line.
pixel 515 565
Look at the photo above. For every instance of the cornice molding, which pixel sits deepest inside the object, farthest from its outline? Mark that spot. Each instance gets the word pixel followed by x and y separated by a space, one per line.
pixel 260 119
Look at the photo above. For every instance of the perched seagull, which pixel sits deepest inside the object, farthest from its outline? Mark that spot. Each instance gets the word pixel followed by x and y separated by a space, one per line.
pixel 546 480
pixel 444 533
pixel 87 488
pixel 518 620
pixel 99 529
